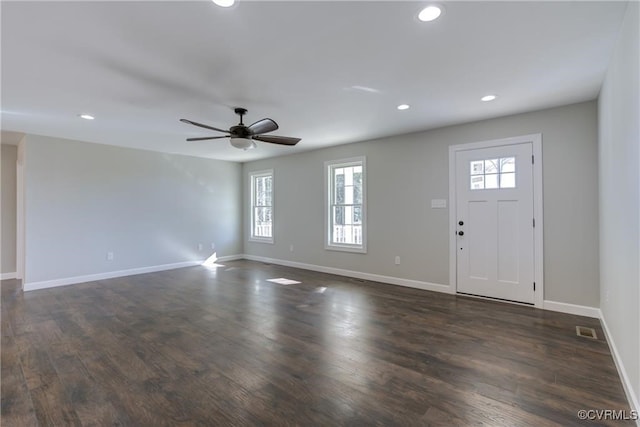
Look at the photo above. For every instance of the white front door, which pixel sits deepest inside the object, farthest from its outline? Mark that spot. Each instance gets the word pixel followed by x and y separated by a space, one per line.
pixel 495 222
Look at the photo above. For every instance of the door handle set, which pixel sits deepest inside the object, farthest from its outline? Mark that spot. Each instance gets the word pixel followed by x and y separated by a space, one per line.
pixel 461 233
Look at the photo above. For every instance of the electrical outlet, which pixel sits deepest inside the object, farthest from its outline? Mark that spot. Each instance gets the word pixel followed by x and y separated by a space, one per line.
pixel 200 247
pixel 109 256
pixel 291 248
pixel 397 260
pixel 213 246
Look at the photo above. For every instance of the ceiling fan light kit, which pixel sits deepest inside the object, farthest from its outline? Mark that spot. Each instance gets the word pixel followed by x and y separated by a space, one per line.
pixel 243 143
pixel 224 3
pixel 242 136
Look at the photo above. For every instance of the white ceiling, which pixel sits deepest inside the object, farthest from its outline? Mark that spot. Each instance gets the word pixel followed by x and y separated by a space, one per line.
pixel 141 66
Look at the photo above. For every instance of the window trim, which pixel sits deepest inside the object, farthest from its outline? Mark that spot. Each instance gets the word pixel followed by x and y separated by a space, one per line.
pixel 329 166
pixel 252 177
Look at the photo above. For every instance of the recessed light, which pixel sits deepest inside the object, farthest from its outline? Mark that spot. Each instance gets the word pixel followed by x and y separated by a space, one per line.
pixel 86 116
pixel 488 98
pixel 430 13
pixel 224 3
pixel 403 107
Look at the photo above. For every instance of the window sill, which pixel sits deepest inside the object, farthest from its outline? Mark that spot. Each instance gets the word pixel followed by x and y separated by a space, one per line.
pixel 352 249
pixel 259 240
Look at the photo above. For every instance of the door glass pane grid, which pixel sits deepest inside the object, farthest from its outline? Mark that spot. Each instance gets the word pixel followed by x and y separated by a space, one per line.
pixel 492 174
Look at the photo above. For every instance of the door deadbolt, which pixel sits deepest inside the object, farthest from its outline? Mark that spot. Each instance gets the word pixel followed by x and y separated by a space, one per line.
pixel 460 222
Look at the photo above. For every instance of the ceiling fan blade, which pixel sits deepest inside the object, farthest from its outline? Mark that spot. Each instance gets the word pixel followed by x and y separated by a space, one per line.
pixel 202 126
pixel 263 126
pixel 282 140
pixel 207 137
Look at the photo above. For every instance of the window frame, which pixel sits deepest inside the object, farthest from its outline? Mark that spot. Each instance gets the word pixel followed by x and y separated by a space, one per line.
pixel 252 199
pixel 329 166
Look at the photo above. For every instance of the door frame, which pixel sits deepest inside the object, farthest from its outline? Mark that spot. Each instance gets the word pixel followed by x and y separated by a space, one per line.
pixel 538 234
pixel 20 213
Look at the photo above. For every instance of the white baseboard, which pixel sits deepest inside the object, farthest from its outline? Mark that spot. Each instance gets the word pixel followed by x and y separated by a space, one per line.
pixel 355 274
pixel 578 310
pixel 108 275
pixel 229 258
pixel 626 382
pixel 7 276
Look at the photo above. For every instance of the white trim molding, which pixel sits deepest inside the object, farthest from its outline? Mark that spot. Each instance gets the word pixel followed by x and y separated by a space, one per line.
pixel 120 273
pixel 229 258
pixel 7 276
pixel 417 284
pixel 622 372
pixel 107 275
pixel 578 310
pixel 536 142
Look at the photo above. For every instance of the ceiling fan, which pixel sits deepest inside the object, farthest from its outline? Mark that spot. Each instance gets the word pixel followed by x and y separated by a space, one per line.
pixel 243 136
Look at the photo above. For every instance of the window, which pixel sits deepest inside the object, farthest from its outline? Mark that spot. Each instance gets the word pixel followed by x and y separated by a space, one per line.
pixel 262 206
pixel 346 205
pixel 493 173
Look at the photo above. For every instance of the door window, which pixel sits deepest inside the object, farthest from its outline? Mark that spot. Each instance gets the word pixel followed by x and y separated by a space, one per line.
pixel 489 174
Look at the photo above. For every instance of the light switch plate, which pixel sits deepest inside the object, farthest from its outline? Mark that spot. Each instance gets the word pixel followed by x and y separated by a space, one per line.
pixel 438 203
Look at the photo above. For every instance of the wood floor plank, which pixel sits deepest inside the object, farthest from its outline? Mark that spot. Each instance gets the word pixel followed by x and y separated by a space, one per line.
pixel 225 346
pixel 16 406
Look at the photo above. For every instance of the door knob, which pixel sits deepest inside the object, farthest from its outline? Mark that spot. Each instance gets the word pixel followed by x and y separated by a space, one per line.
pixel 460 233
pixel 460 222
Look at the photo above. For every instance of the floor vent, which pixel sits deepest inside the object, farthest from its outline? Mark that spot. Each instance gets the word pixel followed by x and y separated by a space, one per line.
pixel 584 332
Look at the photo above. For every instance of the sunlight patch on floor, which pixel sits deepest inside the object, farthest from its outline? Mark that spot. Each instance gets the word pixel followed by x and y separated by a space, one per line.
pixel 211 262
pixel 283 281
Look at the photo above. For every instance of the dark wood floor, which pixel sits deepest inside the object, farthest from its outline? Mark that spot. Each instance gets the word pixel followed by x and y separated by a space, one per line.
pixel 224 346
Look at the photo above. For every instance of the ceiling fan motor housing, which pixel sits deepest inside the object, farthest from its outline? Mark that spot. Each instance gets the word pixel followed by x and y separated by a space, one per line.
pixel 239 131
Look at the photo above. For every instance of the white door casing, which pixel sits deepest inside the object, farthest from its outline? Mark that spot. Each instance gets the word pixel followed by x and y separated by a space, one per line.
pixel 497 251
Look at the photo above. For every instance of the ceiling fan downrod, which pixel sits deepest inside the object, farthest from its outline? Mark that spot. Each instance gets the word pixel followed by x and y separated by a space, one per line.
pixel 241 112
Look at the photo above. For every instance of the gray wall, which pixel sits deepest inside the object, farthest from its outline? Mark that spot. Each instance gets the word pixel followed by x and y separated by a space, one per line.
pixel 9 156
pixel 620 198
pixel 405 172
pixel 83 200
